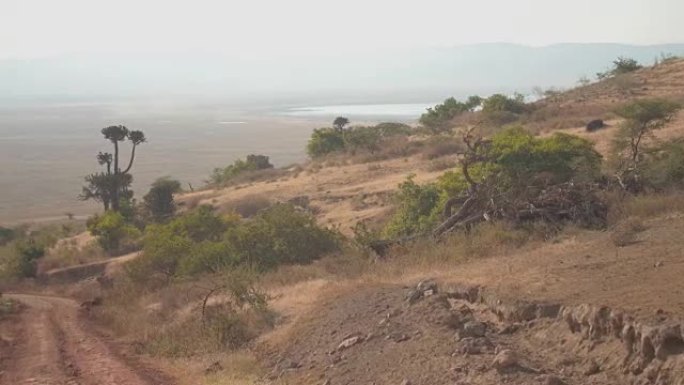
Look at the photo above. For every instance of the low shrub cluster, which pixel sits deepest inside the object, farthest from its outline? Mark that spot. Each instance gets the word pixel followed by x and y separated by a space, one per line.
pixel 621 66
pixel 202 241
pixel 353 140
pixel 252 163
pixel 114 232
pixel 500 109
pixel 439 117
pixel 20 255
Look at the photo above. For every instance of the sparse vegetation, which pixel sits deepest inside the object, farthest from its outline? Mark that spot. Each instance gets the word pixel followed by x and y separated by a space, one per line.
pixel 641 119
pixel 252 163
pixel 353 140
pixel 437 118
pixel 621 66
pixel 625 233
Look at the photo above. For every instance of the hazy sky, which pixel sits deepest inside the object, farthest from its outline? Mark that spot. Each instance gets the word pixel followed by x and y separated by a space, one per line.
pixel 38 28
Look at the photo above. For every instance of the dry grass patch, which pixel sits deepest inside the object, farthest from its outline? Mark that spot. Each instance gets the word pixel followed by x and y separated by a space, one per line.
pixel 440 146
pixel 247 206
pixel 69 254
pixel 644 206
pixel 625 233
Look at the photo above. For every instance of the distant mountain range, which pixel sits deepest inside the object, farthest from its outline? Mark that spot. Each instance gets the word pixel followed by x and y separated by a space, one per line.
pixel 394 76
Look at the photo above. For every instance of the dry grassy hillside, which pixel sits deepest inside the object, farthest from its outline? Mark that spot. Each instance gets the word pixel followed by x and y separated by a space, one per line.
pixel 578 106
pixel 339 195
pixel 345 193
pixel 497 304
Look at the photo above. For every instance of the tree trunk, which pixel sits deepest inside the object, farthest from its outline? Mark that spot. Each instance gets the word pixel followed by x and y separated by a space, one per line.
pixel 116 185
pixel 130 162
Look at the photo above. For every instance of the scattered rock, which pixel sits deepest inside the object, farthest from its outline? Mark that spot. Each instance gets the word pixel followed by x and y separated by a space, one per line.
pixel 398 337
pixel 595 125
pixel 406 382
pixel 472 329
pixel 425 288
pixel 553 380
pixel 505 359
pixel 510 329
pixel 427 285
pixel 349 342
pixel 592 368
pixel 213 368
pixel 548 310
pixel 474 346
pixel 413 296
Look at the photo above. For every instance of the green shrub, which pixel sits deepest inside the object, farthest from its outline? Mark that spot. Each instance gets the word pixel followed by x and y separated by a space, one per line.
pixel 112 231
pixel 19 258
pixel 437 118
pixel 279 235
pixel 182 241
pixel 663 165
pixel 621 66
pixel 388 129
pixel 630 152
pixel 202 241
pixel 520 159
pixel 6 235
pixel 221 176
pixel 341 138
pixel 325 141
pixel 159 202
pixel 362 138
pixel 518 164
pixel 415 209
pixel 208 256
pixel 503 103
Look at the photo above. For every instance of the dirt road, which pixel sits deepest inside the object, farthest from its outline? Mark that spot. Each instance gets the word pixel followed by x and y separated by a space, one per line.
pixel 52 345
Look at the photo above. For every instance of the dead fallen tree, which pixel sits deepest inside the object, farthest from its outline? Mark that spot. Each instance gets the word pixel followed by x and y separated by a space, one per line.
pixel 567 202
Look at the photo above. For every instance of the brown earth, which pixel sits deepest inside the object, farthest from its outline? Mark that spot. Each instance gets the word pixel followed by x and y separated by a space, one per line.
pixel 50 343
pixel 576 310
pixel 565 309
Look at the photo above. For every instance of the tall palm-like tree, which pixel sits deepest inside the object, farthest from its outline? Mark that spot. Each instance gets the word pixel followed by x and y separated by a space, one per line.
pixel 111 185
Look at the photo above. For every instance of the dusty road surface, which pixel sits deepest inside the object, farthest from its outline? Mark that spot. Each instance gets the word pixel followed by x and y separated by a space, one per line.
pixel 52 345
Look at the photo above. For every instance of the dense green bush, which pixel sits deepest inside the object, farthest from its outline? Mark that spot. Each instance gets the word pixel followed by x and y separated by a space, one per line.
pixel 438 117
pixel 325 141
pixel 18 259
pixel 415 209
pixel 6 235
pixel 281 234
pixel 112 230
pixel 221 176
pixel 367 139
pixel 158 202
pixel 519 163
pixel 203 241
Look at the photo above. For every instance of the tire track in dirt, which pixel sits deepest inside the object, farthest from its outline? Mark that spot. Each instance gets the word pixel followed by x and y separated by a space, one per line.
pixel 56 349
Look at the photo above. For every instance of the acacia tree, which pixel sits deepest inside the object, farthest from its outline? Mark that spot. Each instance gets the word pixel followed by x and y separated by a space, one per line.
pixel 112 185
pixel 642 118
pixel 340 122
